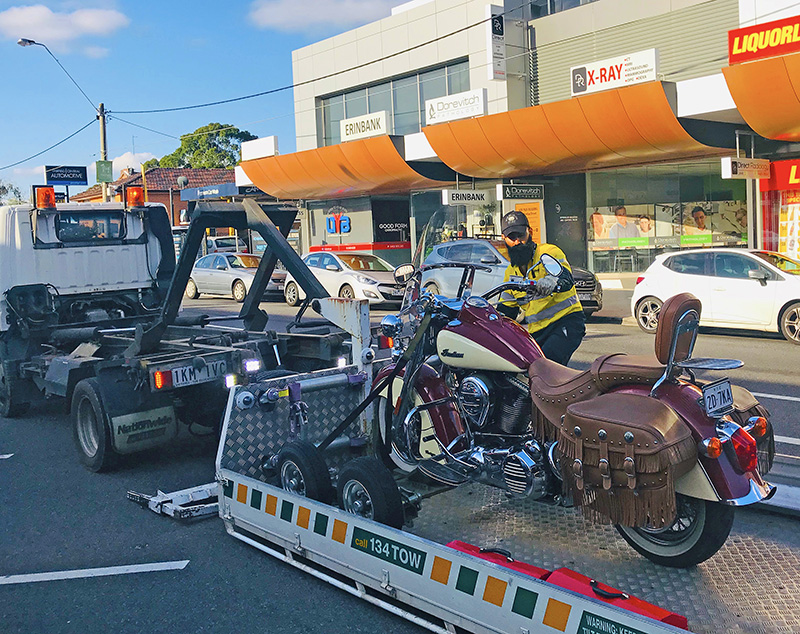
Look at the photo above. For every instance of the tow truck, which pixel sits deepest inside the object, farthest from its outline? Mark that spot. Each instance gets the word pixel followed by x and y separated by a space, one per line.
pixel 89 313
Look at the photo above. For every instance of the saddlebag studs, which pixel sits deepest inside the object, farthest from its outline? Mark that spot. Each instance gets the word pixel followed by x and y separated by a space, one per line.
pixel 628 437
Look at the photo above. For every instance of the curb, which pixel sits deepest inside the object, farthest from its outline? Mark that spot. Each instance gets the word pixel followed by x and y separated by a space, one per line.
pixel 786 501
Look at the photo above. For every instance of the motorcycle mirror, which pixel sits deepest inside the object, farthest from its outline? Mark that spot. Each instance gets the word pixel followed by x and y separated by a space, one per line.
pixel 403 273
pixel 391 326
pixel 551 265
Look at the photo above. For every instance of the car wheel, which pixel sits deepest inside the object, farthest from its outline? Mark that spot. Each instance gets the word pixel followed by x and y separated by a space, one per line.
pixel 433 288
pixel 347 292
pixel 191 290
pixel 291 294
pixel 239 291
pixel 647 314
pixel 790 323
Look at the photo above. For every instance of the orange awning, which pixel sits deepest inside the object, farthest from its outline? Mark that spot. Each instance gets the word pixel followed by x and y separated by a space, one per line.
pixel 625 126
pixel 355 168
pixel 767 95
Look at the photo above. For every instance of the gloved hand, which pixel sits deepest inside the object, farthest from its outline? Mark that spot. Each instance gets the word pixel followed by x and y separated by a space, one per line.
pixel 546 285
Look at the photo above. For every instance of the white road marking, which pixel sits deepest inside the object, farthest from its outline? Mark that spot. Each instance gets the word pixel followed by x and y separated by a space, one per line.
pixel 611 285
pixel 6 456
pixel 777 397
pixel 93 572
pixel 788 440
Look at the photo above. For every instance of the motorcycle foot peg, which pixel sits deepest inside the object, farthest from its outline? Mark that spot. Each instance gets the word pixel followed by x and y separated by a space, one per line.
pixel 577 471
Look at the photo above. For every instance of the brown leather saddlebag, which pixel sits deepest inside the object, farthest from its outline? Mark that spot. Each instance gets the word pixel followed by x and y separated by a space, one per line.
pixel 620 455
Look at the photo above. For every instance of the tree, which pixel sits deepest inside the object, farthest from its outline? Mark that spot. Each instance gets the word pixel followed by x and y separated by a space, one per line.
pixel 213 145
pixel 10 193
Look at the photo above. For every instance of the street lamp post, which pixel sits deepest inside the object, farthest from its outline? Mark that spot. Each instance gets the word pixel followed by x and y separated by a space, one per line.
pixel 101 111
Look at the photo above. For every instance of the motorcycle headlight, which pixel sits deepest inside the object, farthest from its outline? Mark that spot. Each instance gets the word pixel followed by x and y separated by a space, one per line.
pixel 366 280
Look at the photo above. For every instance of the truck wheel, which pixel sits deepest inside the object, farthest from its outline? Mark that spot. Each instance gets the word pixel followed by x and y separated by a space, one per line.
pixel 239 291
pixel 698 532
pixel 191 290
pixel 10 404
pixel 291 294
pixel 302 470
pixel 90 426
pixel 367 488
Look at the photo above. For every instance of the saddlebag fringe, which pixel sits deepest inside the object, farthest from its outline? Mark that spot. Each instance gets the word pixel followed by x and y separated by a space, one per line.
pixel 543 429
pixel 620 456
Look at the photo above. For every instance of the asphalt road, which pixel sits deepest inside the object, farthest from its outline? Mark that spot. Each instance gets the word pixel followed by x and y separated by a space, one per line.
pixel 55 517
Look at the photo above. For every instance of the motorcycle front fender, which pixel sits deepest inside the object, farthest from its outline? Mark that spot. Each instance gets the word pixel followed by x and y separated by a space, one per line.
pixel 430 387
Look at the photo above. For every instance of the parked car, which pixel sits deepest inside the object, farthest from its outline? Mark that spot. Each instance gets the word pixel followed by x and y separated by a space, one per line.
pixel 739 288
pixel 225 244
pixel 493 254
pixel 229 274
pixel 351 275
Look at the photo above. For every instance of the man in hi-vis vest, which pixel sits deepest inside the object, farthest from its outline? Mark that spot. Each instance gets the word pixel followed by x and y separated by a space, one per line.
pixel 554 318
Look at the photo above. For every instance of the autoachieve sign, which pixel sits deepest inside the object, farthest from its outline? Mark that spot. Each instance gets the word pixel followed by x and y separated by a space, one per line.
pixel 470 197
pixel 764 40
pixel 616 72
pixel 367 125
pixel 744 167
pixel 65 175
pixel 462 105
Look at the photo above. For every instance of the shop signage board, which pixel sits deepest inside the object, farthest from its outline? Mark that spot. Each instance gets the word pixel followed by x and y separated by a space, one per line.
pixel 744 167
pixel 496 44
pixel 105 171
pixel 770 39
pixel 65 175
pixel 634 68
pixel 462 105
pixel 520 192
pixel 365 126
pixel 784 175
pixel 468 197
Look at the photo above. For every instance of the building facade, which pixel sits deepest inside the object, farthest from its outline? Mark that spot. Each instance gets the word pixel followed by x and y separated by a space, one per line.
pixel 604 121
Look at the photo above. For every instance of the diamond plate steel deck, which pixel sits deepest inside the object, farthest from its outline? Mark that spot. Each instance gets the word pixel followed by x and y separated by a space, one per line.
pixel 751 585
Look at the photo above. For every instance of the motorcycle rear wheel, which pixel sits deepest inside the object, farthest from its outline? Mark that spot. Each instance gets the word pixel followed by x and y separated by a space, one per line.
pixel 698 532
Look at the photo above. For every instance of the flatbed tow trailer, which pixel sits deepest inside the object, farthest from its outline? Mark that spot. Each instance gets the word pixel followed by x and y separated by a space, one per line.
pixel 130 379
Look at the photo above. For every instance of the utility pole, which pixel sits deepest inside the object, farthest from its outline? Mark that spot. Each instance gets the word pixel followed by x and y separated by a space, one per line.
pixel 101 115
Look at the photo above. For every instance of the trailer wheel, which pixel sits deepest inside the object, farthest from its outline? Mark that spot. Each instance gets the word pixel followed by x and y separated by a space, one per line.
pixel 90 426
pixel 367 488
pixel 10 403
pixel 191 290
pixel 302 470
pixel 239 291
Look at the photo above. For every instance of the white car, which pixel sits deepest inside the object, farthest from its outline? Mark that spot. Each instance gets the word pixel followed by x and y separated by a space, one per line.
pixel 739 288
pixel 350 275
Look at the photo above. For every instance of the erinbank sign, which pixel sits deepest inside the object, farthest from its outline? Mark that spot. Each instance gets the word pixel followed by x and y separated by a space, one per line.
pixel 463 105
pixel 764 40
pixel 469 197
pixel 616 72
pixel 367 125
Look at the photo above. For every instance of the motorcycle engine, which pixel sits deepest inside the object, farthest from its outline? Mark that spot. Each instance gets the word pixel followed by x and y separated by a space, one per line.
pixel 501 401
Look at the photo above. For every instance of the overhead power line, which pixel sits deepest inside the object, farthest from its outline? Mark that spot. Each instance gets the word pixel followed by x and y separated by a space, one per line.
pixel 50 148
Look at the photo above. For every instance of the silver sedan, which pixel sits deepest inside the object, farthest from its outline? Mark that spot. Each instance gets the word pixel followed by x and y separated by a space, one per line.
pixel 229 274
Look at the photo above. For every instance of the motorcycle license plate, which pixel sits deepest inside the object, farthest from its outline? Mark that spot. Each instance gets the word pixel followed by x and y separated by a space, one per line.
pixel 718 398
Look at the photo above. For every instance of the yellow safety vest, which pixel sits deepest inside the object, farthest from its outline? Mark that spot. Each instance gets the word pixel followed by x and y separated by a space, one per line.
pixel 543 311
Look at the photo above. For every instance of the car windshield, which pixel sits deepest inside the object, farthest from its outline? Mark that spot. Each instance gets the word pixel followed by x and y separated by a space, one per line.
pixel 785 264
pixel 226 243
pixel 243 261
pixel 364 262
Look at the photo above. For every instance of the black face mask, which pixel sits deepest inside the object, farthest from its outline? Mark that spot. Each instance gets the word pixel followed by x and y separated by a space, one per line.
pixel 521 254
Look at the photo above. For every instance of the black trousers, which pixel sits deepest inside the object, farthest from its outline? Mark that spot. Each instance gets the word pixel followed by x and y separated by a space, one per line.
pixel 561 338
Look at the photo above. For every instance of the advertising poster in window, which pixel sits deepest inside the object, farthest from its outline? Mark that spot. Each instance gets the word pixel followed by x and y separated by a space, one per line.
pixel 533 212
pixel 789 226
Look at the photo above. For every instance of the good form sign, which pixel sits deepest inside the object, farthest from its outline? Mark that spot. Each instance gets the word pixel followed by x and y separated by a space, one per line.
pixel 616 72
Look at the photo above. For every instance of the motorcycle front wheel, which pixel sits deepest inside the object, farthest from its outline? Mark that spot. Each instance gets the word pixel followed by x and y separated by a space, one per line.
pixel 698 532
pixel 396 453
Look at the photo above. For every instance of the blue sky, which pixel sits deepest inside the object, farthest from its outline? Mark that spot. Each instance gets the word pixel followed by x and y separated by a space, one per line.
pixel 148 55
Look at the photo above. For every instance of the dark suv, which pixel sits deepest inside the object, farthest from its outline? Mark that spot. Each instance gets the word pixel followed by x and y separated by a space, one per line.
pixel 493 254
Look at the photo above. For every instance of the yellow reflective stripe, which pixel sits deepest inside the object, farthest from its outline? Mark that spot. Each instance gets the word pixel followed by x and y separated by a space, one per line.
pixel 547 314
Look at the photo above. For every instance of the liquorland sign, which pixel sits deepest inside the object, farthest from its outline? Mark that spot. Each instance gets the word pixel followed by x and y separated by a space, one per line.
pixel 462 105
pixel 616 72
pixel 367 125
pixel 764 40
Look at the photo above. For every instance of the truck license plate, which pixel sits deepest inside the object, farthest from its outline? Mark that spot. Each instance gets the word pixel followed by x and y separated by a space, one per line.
pixel 189 375
pixel 718 398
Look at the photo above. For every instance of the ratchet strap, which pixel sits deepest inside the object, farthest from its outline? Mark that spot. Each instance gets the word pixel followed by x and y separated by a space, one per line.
pixel 401 363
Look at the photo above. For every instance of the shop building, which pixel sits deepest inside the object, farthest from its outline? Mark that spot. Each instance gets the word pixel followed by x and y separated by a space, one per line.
pixel 604 121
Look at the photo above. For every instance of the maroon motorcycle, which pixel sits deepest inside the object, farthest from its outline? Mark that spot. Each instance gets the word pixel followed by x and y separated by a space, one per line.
pixel 639 442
